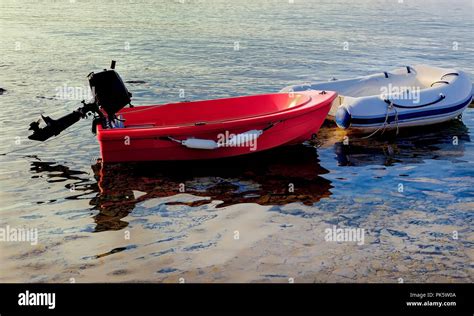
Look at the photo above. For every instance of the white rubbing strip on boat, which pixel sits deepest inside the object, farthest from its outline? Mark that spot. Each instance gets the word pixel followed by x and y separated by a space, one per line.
pixel 37 299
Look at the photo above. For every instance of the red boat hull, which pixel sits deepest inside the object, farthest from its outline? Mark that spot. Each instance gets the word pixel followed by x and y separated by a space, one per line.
pixel 152 132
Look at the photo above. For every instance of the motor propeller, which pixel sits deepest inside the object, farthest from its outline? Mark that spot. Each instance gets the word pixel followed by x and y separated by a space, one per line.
pixel 54 127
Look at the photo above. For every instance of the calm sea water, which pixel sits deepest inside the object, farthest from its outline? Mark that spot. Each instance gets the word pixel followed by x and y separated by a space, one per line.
pixel 236 220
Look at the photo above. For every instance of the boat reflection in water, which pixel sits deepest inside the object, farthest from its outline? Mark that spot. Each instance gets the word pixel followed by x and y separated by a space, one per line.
pixel 410 146
pixel 264 178
pixel 276 177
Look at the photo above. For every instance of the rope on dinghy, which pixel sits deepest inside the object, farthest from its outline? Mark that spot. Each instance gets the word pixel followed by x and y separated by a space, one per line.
pixel 383 127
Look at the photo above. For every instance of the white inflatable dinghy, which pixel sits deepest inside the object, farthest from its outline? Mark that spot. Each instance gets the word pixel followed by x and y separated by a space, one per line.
pixel 410 96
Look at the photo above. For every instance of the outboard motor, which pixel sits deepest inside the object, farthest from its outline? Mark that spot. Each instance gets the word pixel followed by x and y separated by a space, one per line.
pixel 109 91
pixel 110 96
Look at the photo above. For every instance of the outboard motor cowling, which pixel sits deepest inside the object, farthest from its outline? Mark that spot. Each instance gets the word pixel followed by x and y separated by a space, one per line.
pixel 109 91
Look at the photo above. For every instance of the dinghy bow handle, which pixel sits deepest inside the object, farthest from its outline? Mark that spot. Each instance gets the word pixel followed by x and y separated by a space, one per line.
pixel 449 74
pixel 391 103
pixel 439 81
pixel 442 77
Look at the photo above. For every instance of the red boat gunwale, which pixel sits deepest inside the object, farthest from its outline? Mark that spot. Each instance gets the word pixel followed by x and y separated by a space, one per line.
pixel 289 109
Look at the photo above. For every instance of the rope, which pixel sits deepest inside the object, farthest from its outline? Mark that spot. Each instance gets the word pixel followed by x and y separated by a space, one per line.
pixel 396 120
pixel 174 139
pixel 141 110
pixel 383 127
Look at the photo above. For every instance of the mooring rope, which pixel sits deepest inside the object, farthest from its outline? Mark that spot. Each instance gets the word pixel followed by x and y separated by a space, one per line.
pixel 383 127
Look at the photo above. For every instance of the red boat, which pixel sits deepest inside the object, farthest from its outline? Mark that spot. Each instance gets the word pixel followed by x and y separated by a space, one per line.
pixel 191 130
pixel 215 128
